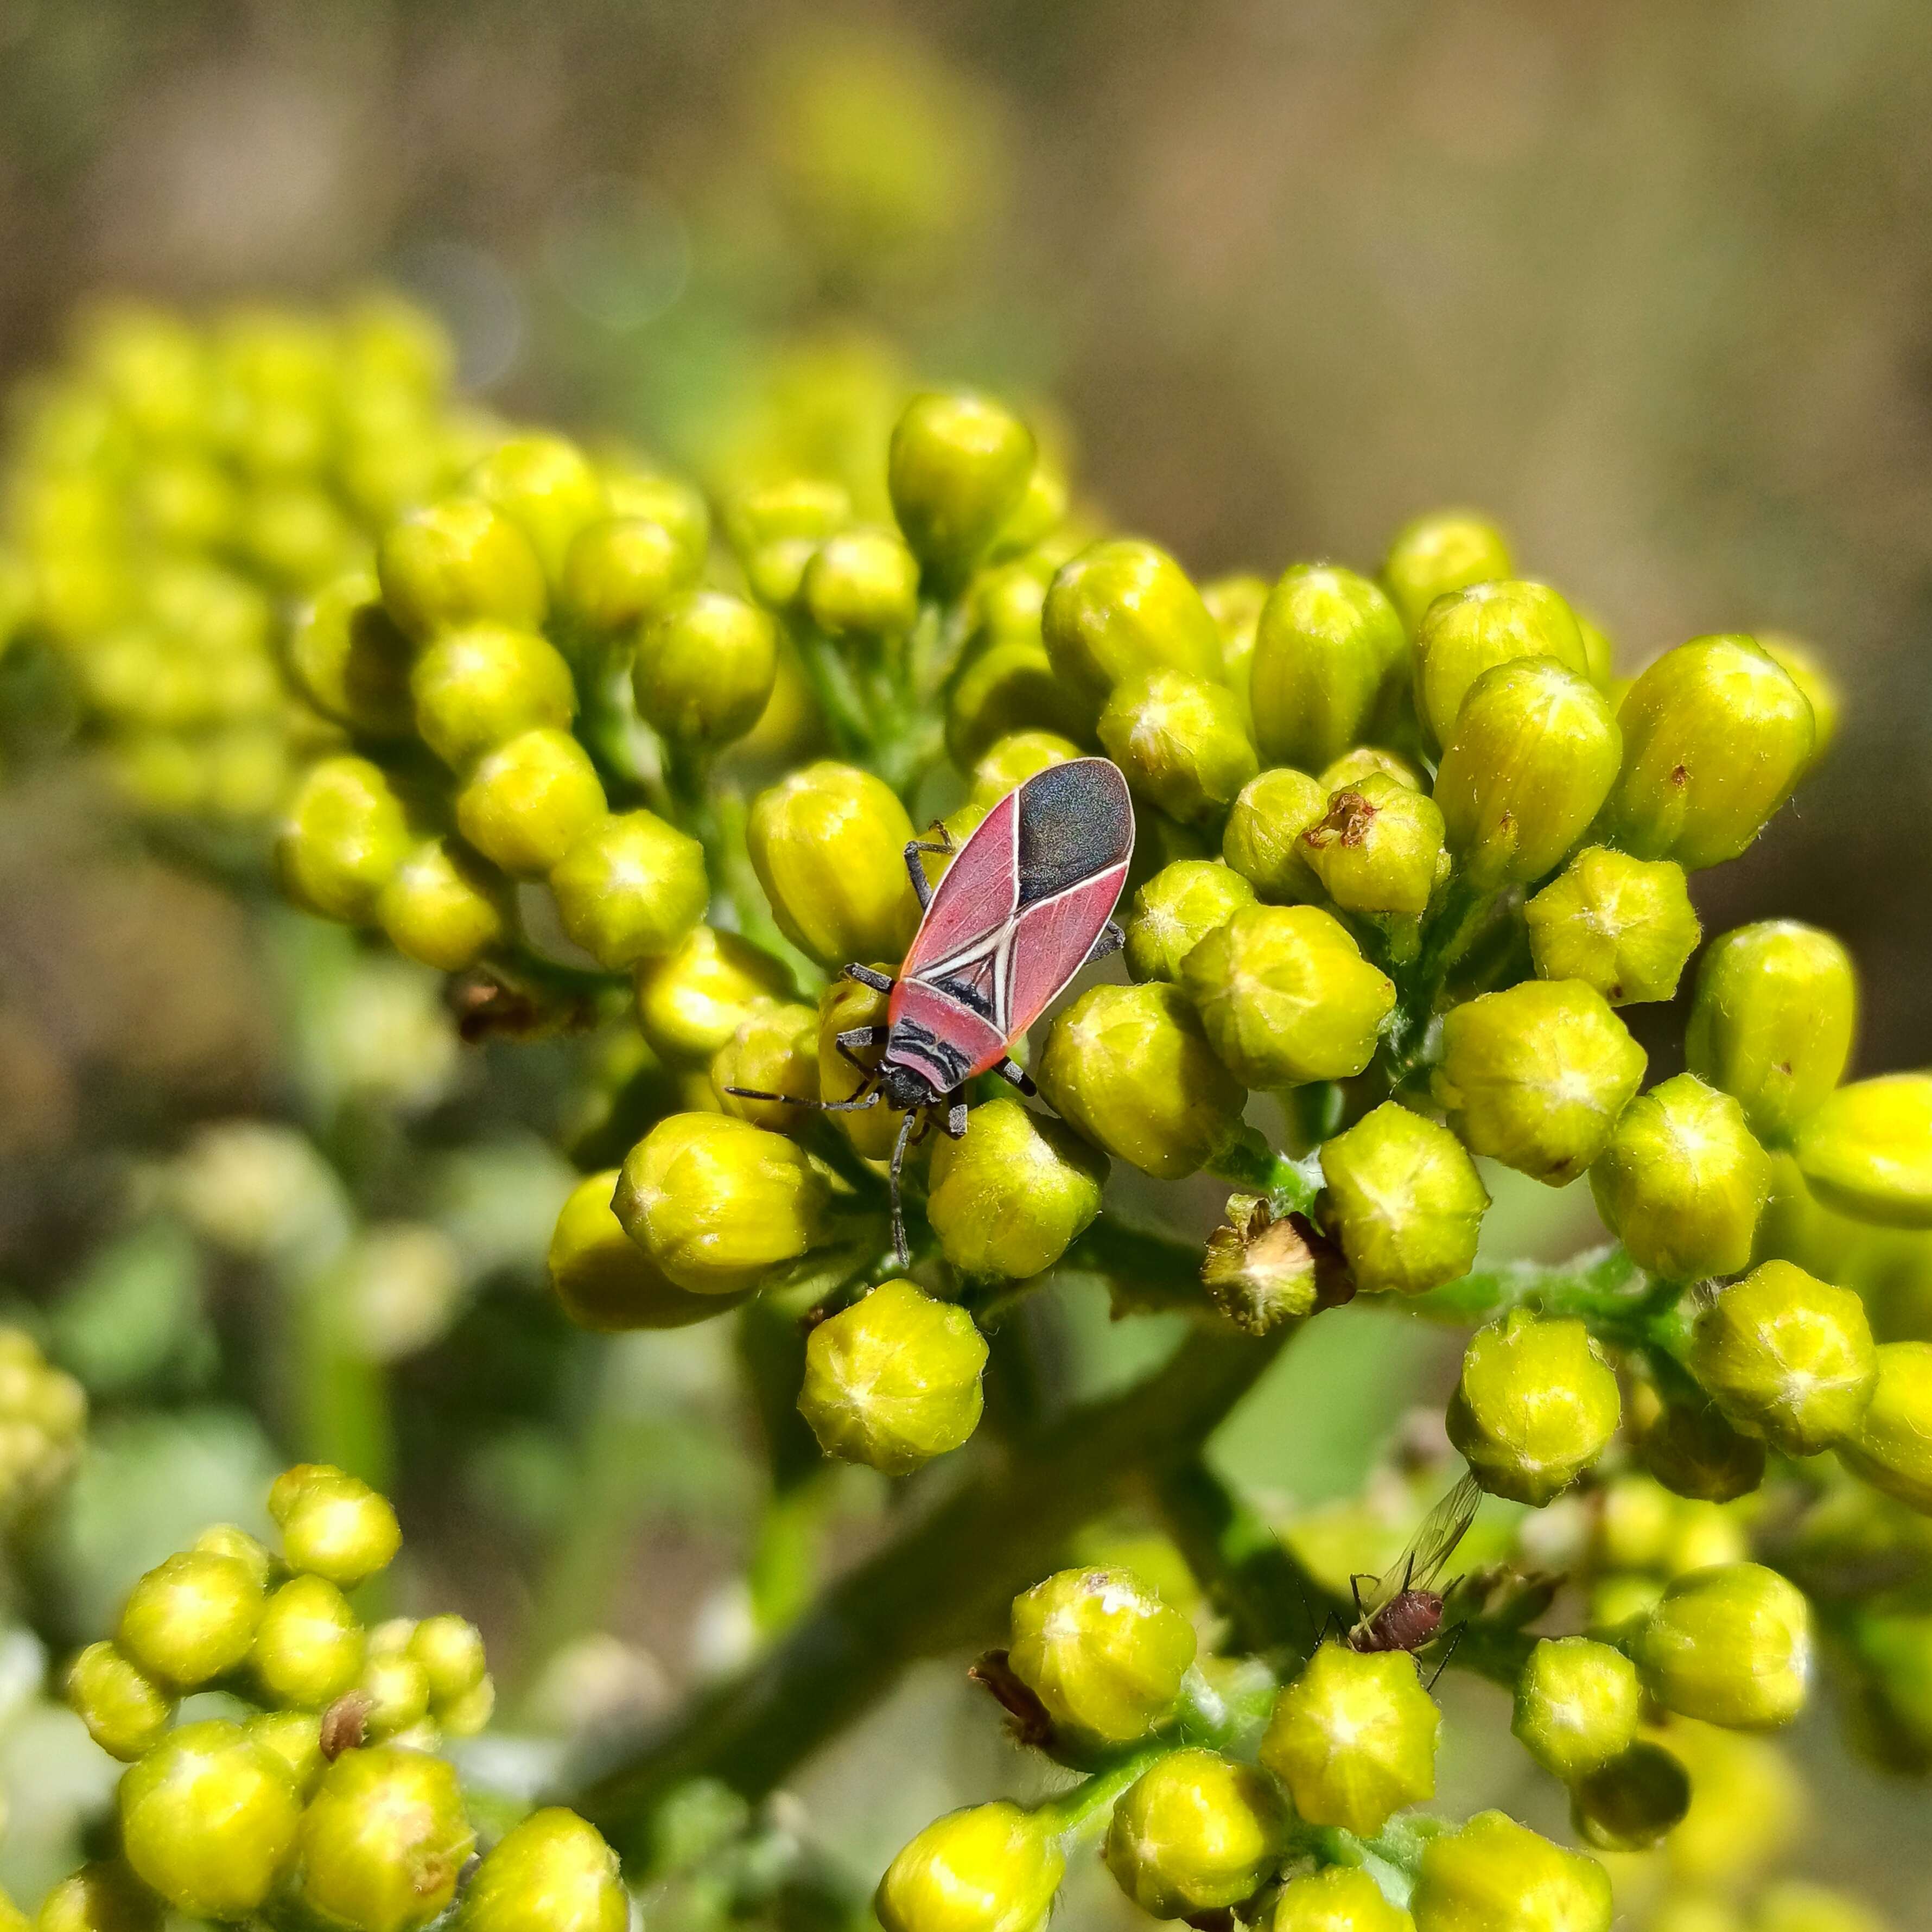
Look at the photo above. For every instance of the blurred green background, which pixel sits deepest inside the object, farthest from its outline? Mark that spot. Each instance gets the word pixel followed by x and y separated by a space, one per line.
pixel 1652 283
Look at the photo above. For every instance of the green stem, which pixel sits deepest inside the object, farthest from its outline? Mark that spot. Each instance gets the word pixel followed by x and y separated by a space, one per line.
pixel 1094 1796
pixel 942 1585
pixel 1249 1163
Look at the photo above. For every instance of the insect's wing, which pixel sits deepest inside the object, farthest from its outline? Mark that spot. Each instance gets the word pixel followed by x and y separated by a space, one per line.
pixel 976 898
pixel 1430 1548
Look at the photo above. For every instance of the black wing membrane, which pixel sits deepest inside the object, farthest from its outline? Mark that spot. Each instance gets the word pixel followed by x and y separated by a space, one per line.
pixel 1430 1548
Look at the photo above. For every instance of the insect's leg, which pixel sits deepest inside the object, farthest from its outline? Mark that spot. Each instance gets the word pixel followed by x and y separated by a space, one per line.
pixel 1330 1622
pixel 879 982
pixel 1408 1570
pixel 1017 1075
pixel 955 1116
pixel 1455 1638
pixel 1355 1589
pixel 916 868
pixel 1113 936
pixel 856 1104
pixel 899 1248
pixel 864 1035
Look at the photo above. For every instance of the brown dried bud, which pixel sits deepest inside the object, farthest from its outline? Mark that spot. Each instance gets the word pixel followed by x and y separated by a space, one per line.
pixel 1262 1272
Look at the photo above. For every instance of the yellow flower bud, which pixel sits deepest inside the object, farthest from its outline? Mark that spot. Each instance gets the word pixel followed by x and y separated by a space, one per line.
pixel 1473 631
pixel 529 801
pixel 694 999
pixel 1007 1199
pixel 1444 551
pixel 1262 839
pixel 630 889
pixel 705 667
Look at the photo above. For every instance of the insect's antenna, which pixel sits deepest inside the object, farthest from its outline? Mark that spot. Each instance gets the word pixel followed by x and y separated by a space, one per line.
pixel 899 1247
pixel 855 1105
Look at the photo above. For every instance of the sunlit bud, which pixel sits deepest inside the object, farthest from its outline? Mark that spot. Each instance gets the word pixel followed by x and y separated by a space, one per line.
pixel 1715 736
pixel 1130 1068
pixel 862 583
pixel 295 1738
pixel 124 1710
pixel 1234 603
pixel 1681 1182
pixel 351 660
pixel 1014 759
pixel 383 1841
pixel 1804 667
pixel 1443 551
pixel 1405 1201
pixel 1337 1898
pixel 1891 1447
pixel 1181 742
pixel 694 999
pixel 1630 1804
pixel 776 528
pixel 466 1716
pixel 1531 755
pixel 1286 996
pixel 1195 1832
pixel 717 1202
pixel 1867 1150
pixel 604 1279
pixel 893 1380
pixel 1262 839
pixel 989 1868
pixel 1577 1706
pixel 450 1650
pixel 529 801
pixel 1010 686
pixel 477 686
pixel 309 1647
pixel 630 889
pixel 1693 1450
pixel 1773 1020
pixel 191 1617
pixel 443 906
pixel 1787 1356
pixel 1731 1644
pixel 99 1897
pixel 1378 848
pixel 347 831
pixel 1624 926
pixel 1327 643
pixel 775 1051
pixel 646 496
pixel 1124 606
pixel 1177 909
pixel 459 562
pixel 956 470
pixel 1536 1075
pixel 828 845
pixel 1007 1199
pixel 1619 1601
pixel 546 487
pixel 553 1873
pixel 1495 1875
pixel 704 667
pixel 621 571
pixel 1366 761
pixel 1599 652
pixel 1537 1405
pixel 207 1819
pixel 1474 631
pixel 1102 1652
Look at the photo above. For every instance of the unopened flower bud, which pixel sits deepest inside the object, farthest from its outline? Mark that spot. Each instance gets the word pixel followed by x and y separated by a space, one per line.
pixel 333 1525
pixel 620 571
pixel 1124 606
pixel 1531 755
pixel 352 660
pixel 1195 1832
pixel 450 1650
pixel 1444 551
pixel 1867 1150
pixel 99 1897
pixel 1577 1706
pixel 1007 1199
pixel 1378 848
pixel 1598 650
pixel 845 1006
pixel 529 801
pixel 604 1279
pixel 1177 909
pixel 1102 1652
pixel 1010 686
pixel 1337 1898
pixel 124 1710
pixel 1891 1447
pixel 694 999
pixel 1715 736
pixel 1286 996
pixel 776 529
pixel 1536 1075
pixel 1787 1356
pixel 348 830
pixel 191 1617
pixel 1495 1875
pixel 1014 759
pixel 383 1841
pixel 546 487
pixel 717 1202
pixel 295 1738
pixel 988 1868
pixel 630 889
pixel 775 1051
pixel 957 469
pixel 1180 741
pixel 1807 670
pixel 1772 1022
pixel 1693 1450
pixel 553 1873
pixel 1536 1405
pixel 1263 1271
pixel 1262 839
pixel 829 844
pixel 478 685
pixel 1327 643
pixel 673 505
pixel 1405 1201
pixel 1731 1644
pixel 1629 1804
pixel 443 906
pixel 1624 926
pixel 1681 1182
pixel 862 583
pixel 704 667
pixel 1367 761
pixel 1130 1068
pixel 1354 1738
pixel 894 1380
pixel 1462 636
pixel 207 1819
pixel 459 562
pixel 310 1645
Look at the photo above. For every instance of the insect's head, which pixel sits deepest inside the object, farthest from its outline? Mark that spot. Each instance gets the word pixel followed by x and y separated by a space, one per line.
pixel 904 1088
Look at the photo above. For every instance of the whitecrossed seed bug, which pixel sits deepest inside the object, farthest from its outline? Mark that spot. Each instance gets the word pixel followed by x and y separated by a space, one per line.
pixel 1027 901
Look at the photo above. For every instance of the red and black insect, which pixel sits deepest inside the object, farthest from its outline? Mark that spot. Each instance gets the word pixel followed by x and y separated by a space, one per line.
pixel 1027 901
pixel 1403 1609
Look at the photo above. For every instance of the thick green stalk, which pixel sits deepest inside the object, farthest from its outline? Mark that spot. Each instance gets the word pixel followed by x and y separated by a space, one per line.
pixel 942 1585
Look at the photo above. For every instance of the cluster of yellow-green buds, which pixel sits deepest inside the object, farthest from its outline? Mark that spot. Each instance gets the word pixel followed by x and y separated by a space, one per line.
pixel 174 490
pixel 42 1418
pixel 309 1790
